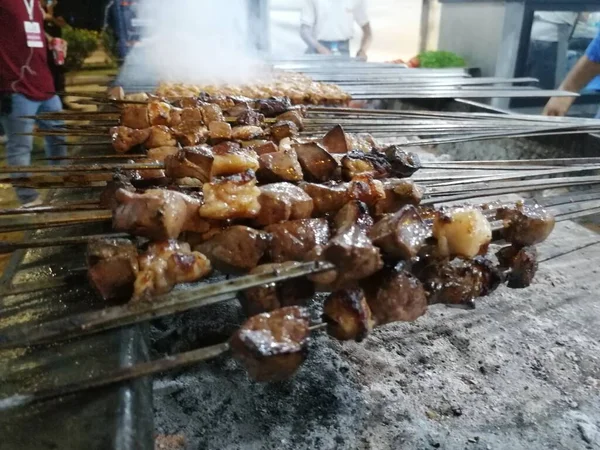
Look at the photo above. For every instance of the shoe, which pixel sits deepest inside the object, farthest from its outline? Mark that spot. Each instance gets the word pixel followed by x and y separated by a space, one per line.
pixel 37 202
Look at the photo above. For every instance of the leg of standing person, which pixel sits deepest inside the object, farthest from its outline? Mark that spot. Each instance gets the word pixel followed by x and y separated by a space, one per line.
pixel 18 147
pixel 55 145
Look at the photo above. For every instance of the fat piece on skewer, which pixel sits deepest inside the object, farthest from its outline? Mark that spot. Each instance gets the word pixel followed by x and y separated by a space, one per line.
pixel 231 197
pixel 273 345
pixel 280 202
pixel 462 231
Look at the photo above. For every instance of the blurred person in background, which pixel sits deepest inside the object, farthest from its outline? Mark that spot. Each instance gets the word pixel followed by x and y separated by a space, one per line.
pixel 328 25
pixel 54 22
pixel 586 69
pixel 26 85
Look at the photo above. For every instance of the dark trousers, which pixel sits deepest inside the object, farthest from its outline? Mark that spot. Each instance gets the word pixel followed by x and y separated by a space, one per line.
pixel 541 63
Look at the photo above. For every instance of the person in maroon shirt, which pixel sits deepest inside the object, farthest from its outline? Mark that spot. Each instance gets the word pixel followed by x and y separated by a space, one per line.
pixel 26 85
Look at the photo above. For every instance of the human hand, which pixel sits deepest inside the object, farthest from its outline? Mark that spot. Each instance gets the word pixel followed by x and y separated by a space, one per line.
pixel 362 54
pixel 558 106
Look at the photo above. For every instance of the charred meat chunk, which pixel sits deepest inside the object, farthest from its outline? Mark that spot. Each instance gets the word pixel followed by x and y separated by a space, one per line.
pixel 401 235
pixel 237 248
pixel 403 164
pixel 359 163
pixel 188 134
pixel 316 162
pixel 270 297
pixel 231 197
pixel 283 129
pixel 526 224
pixel 250 117
pixel 522 262
pixel 367 190
pixel 462 232
pixel 335 140
pixel 135 116
pixel 246 133
pixel 282 201
pixel 273 345
pixel 107 197
pixel 398 193
pixel 160 136
pixel 264 147
pixel 194 162
pixel 460 281
pixel 293 239
pixel 165 264
pixel 159 113
pixel 347 315
pixel 219 130
pixel 112 267
pixel 279 166
pixel 274 106
pixel 294 116
pixel 124 138
pixel 395 295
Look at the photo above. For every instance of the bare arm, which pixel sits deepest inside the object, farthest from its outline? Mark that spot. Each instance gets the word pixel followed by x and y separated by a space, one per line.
pixel 309 39
pixel 365 43
pixel 583 72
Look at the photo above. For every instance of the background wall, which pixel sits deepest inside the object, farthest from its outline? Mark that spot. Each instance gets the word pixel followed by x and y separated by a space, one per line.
pixel 395 23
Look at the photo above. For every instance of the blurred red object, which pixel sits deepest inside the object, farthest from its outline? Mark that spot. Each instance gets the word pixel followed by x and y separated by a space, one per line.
pixel 59 50
pixel 414 62
pixel 358 104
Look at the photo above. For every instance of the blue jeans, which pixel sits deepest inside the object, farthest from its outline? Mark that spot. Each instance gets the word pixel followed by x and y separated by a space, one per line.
pixel 18 147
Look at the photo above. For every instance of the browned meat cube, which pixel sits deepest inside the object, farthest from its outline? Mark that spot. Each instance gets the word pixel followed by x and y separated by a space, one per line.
pixel 124 138
pixel 194 162
pixel 398 193
pixel 282 201
pixel 317 164
pixel 395 296
pixel 165 264
pixel 350 250
pixel 233 197
pixel 403 164
pixel 273 106
pixel 401 235
pixel 159 113
pixel 237 248
pixel 250 117
pixel 107 197
pixel 294 239
pixel 327 198
pixel 348 315
pixel 523 264
pixel 273 345
pixel 156 214
pixel 526 224
pixel 246 133
pixel 112 267
pixel 211 112
pixel 188 134
pixel 358 163
pixel 270 297
pixel 264 147
pixel 160 136
pixel 231 158
pixel 135 116
pixel 335 140
pixel 279 166
pixel 460 281
pixel 219 130
pixel 367 190
pixel 294 116
pixel 161 153
pixel 150 174
pixel 192 116
pixel 283 129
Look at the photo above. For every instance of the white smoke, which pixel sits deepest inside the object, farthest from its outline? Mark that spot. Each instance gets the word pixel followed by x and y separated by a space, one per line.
pixel 198 41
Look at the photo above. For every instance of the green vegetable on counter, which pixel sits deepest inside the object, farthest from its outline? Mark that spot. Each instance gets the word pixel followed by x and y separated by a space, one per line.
pixel 440 59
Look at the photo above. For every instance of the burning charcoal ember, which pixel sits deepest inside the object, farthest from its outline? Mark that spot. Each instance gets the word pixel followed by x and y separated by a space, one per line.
pixel 403 164
pixel 160 136
pixel 124 138
pixel 294 239
pixel 112 267
pixel 401 235
pixel 293 116
pixel 273 345
pixel 348 315
pixel 156 214
pixel 230 158
pixel 350 250
pixel 460 281
pixel 165 264
pixel 135 116
pixel 462 232
pixel 395 295
pixel 526 224
pixel 246 132
pixel 273 106
pixel 523 264
pixel 272 296
pixel 398 193
pixel 317 164
pixel 357 163
pixel 283 129
pixel 231 197
pixel 280 202
pixel 237 248
pixel 219 130
pixel 279 166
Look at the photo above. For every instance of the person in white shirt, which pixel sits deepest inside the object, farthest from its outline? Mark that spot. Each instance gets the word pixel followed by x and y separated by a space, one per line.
pixel 327 26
